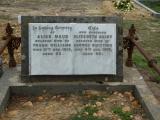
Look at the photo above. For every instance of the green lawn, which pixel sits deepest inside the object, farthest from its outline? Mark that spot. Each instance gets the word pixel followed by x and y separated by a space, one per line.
pixel 148 32
pixel 153 5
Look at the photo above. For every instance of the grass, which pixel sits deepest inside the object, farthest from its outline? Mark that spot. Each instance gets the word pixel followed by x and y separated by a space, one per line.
pixel 142 64
pixel 153 5
pixel 5 17
pixel 148 33
pixel 94 98
pixel 121 114
pixel 87 113
pixel 90 111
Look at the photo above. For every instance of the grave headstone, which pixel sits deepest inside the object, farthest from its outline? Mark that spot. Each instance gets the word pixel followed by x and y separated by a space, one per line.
pixel 72 48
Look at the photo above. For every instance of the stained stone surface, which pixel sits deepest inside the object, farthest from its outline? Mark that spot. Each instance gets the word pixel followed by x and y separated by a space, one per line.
pixel 72 48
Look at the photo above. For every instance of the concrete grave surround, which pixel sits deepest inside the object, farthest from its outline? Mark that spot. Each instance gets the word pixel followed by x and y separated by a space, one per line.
pixel 11 84
pixel 73 65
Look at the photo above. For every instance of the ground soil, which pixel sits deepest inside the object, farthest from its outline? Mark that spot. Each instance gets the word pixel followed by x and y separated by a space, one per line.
pixel 64 107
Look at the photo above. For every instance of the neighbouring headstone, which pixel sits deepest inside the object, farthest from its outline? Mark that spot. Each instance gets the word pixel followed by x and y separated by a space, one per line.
pixel 72 48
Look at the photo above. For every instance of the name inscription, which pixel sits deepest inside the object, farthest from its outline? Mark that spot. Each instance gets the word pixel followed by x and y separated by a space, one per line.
pixel 72 48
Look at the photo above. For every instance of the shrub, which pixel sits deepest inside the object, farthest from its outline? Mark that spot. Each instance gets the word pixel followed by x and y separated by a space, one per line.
pixel 121 114
pixel 124 5
pixel 89 116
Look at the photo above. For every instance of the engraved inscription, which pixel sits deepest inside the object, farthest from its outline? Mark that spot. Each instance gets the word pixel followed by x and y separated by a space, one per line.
pixel 72 48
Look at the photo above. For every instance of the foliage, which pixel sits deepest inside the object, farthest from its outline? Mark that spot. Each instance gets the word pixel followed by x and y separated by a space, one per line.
pixel 155 5
pixel 94 98
pixel 121 114
pixel 87 113
pixel 124 5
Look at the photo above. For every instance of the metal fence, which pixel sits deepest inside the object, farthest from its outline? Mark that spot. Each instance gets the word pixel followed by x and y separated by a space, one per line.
pixel 11 42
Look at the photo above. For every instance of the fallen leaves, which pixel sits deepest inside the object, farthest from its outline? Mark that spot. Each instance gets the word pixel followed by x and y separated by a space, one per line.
pixel 28 104
pixel 126 109
pixel 13 113
pixel 98 104
pixel 40 98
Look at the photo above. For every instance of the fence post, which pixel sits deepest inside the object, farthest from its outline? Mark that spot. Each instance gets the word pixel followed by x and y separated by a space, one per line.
pixel 14 43
pixel 129 45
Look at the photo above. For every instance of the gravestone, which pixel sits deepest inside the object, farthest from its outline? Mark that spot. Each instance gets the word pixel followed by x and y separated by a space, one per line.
pixel 56 48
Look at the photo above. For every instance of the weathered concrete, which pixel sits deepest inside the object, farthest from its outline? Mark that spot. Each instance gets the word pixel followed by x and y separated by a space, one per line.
pixel 4 97
pixel 10 83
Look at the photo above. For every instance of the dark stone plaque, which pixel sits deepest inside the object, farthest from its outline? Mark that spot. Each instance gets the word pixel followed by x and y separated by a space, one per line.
pixel 66 48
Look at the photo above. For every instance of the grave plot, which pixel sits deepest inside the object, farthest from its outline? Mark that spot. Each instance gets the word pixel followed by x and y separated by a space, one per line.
pixel 74 49
pixel 86 104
